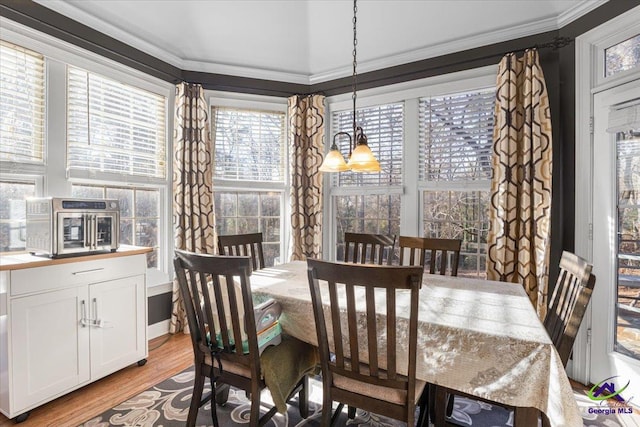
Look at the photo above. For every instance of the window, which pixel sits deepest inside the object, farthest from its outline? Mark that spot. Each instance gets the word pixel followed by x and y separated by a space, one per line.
pixel 241 212
pixel 249 175
pixel 383 126
pixel 22 102
pixel 113 127
pixel 456 134
pixel 13 213
pixel 356 208
pixel 376 214
pixel 622 56
pixel 139 215
pixel 249 145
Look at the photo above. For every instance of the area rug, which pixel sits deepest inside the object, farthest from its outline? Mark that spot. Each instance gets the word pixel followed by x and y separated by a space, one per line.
pixel 167 405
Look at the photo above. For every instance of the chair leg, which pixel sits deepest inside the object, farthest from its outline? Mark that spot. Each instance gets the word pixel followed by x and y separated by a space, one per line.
pixel 222 393
pixel 423 404
pixel 198 386
pixel 214 407
pixel 440 406
pixel 450 402
pixel 303 397
pixel 336 414
pixel 431 399
pixel 254 417
pixel 351 412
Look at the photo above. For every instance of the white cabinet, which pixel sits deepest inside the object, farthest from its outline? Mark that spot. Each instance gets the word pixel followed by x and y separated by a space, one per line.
pixel 48 350
pixel 118 336
pixel 67 325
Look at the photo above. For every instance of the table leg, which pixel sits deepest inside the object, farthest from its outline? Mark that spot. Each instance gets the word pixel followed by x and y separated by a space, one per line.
pixel 526 417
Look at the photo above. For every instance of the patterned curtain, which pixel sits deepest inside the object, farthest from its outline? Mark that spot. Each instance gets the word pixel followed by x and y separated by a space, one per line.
pixel 306 116
pixel 520 210
pixel 193 210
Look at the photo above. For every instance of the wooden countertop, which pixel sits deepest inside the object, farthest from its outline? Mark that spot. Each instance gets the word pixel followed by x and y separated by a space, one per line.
pixel 20 260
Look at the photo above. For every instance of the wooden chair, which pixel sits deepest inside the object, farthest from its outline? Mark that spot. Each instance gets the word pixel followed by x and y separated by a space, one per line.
pixel 363 248
pixel 215 318
pixel 567 306
pixel 377 386
pixel 243 244
pixel 414 250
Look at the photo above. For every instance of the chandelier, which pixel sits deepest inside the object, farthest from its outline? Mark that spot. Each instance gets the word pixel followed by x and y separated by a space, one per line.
pixel 361 159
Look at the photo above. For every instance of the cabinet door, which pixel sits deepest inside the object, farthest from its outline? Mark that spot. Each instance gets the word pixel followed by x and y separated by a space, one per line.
pixel 48 345
pixel 119 333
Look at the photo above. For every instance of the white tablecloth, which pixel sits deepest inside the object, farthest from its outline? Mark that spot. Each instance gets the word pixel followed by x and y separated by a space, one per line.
pixel 477 336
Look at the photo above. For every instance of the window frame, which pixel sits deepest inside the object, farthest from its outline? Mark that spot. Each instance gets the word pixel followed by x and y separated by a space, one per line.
pixel 601 80
pixel 411 191
pixel 34 161
pixel 123 80
pixel 53 176
pixel 36 180
pixel 267 104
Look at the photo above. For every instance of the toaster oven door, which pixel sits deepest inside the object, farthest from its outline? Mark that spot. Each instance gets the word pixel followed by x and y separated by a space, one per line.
pixel 85 232
pixel 73 233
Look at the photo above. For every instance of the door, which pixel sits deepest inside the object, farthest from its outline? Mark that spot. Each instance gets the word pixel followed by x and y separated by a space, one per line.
pixel 48 345
pixel 118 330
pixel 615 330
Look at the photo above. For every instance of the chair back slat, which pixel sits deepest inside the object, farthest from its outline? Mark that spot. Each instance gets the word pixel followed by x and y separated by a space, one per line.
pixel 365 293
pixel 442 254
pixel 363 248
pixel 372 337
pixel 243 245
pixel 217 299
pixel 568 303
pixel 352 326
pixel 337 329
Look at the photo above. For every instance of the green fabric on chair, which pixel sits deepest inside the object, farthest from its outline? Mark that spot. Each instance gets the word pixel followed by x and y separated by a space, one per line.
pixel 284 365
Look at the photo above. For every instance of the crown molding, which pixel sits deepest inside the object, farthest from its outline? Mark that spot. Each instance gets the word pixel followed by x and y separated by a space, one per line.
pixel 248 72
pixel 462 44
pixel 578 11
pixel 73 12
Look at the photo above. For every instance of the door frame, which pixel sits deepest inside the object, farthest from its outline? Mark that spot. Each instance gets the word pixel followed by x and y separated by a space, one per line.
pixel 589 49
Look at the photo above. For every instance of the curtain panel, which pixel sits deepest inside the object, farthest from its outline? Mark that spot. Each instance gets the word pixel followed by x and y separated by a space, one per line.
pixel 306 132
pixel 193 208
pixel 520 209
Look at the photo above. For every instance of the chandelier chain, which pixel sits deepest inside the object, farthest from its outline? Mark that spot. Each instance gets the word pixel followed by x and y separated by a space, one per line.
pixel 355 63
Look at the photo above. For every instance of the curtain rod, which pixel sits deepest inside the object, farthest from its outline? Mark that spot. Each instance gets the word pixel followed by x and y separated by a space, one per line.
pixel 555 44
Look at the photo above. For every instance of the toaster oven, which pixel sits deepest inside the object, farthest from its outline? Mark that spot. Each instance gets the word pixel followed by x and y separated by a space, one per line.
pixel 58 226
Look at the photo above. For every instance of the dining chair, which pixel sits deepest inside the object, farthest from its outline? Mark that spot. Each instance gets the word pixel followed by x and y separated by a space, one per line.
pixel 217 314
pixel 414 251
pixel 243 244
pixel 362 367
pixel 566 308
pixel 364 248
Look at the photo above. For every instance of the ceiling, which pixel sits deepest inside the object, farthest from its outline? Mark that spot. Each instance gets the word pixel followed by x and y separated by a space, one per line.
pixel 310 41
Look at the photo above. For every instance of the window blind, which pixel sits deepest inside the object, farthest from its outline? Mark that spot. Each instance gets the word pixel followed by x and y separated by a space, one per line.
pixel 21 104
pixel 249 145
pixel 383 125
pixel 456 133
pixel 113 127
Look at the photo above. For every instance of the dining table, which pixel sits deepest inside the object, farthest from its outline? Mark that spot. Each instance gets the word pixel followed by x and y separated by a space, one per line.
pixel 476 336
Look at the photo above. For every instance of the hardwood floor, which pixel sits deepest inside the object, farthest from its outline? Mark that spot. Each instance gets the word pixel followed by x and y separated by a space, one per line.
pixel 168 355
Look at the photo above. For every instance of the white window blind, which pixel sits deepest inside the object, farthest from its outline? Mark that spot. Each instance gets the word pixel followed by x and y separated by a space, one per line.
pixel 249 145
pixel 383 126
pixel 456 133
pixel 113 127
pixel 21 104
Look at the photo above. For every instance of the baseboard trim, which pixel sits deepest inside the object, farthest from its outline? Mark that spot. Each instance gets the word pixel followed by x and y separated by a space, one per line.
pixel 158 329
